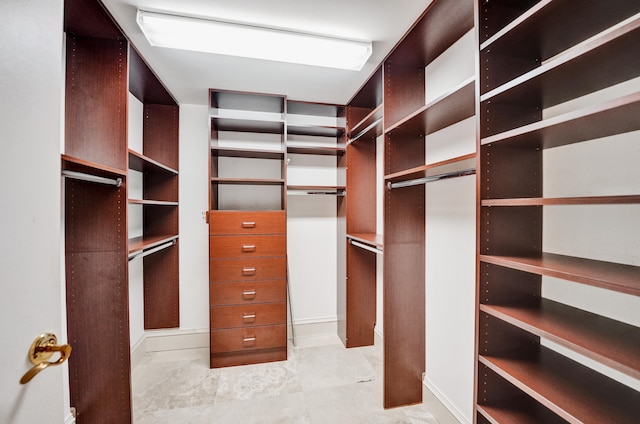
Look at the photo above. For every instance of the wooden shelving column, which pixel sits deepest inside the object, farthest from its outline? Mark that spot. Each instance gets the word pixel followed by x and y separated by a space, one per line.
pixel 535 55
pixel 357 294
pixel 158 163
pixel 95 215
pixel 408 119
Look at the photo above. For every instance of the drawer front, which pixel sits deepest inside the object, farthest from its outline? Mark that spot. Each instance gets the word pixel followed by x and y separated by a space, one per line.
pixel 249 338
pixel 247 269
pixel 247 222
pixel 248 315
pixel 247 293
pixel 246 246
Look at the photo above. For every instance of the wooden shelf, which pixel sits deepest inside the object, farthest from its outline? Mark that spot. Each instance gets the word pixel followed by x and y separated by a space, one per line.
pixel 545 30
pixel 141 163
pixel 247 125
pixel 557 201
pixel 449 108
pixel 601 61
pixel 315 189
pixel 610 118
pixel 316 150
pixel 369 126
pixel 316 131
pixel 461 163
pixel 248 181
pixel 607 275
pixel 233 152
pixel 375 240
pixel 234 100
pixel 572 391
pixel 151 202
pixel 609 342
pixel 70 163
pixel 138 244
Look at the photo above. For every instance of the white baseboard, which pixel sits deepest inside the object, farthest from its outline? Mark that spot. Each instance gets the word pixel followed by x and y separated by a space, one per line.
pixel 314 332
pixel 441 408
pixel 70 419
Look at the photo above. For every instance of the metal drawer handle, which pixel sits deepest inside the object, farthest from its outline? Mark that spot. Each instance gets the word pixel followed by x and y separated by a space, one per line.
pixel 247 339
pixel 249 224
pixel 248 270
pixel 249 316
pixel 248 247
pixel 248 294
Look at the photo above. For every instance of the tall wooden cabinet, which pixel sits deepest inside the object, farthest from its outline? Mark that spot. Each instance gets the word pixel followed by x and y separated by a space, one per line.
pixel 247 227
pixel 544 72
pixel 95 164
pixel 357 293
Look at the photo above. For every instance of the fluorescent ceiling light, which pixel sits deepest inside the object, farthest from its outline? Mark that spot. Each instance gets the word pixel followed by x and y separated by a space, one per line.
pixel 186 33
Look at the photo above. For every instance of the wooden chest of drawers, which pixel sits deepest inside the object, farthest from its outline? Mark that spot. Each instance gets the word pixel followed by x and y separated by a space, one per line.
pixel 247 287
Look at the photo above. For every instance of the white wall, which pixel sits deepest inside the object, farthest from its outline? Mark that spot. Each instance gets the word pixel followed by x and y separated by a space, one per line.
pixel 194 233
pixel 450 227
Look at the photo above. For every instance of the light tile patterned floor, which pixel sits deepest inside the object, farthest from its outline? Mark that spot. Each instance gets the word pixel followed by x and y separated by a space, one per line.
pixel 323 384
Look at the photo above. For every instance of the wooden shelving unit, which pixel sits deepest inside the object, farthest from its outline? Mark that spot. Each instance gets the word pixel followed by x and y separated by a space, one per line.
pixel 158 164
pixel 357 294
pixel 247 228
pixel 534 57
pixel 409 117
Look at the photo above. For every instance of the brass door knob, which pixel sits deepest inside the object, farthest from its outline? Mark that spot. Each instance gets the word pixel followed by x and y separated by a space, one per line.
pixel 41 350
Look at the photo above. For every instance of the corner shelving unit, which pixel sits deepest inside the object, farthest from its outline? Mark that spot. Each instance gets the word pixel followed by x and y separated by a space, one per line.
pixel 408 118
pixel 357 294
pixel 534 57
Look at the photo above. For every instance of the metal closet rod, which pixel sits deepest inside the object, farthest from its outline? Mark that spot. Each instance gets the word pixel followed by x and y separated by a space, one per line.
pixel 365 247
pixel 151 251
pixel 433 178
pixel 91 178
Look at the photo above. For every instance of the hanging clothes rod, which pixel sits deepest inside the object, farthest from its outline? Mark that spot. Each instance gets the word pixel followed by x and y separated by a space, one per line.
pixel 364 131
pixel 365 247
pixel 91 178
pixel 433 178
pixel 144 253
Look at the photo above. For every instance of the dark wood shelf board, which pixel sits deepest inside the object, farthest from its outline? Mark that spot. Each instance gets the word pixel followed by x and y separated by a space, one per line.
pixel 573 391
pixel 514 412
pixel 144 84
pixel 248 181
pixel 607 341
pixel 375 240
pixel 610 118
pixel 601 61
pixel 369 125
pixel 217 151
pixel 141 163
pixel 151 202
pixel 608 275
pixel 248 125
pixel 446 110
pixel 551 26
pixel 314 189
pixel 138 244
pixel 559 201
pixel 315 130
pixel 70 163
pixel 316 150
pixel 430 170
pixel 295 107
pixel 234 100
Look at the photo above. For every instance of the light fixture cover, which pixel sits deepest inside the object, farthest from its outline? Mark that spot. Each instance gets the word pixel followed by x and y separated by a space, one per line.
pixel 203 35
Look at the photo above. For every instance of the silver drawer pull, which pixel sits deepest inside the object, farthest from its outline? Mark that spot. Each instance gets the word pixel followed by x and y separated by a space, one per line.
pixel 249 224
pixel 248 294
pixel 248 270
pixel 248 339
pixel 248 247
pixel 248 316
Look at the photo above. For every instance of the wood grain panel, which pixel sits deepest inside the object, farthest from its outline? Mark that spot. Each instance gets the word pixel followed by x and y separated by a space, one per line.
pixel 250 338
pixel 247 269
pixel 247 292
pixel 248 315
pixel 247 222
pixel 246 246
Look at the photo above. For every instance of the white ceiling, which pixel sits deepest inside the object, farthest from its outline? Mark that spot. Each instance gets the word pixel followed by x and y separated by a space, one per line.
pixel 189 75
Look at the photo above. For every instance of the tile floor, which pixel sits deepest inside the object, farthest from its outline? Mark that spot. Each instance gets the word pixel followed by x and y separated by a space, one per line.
pixel 318 384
